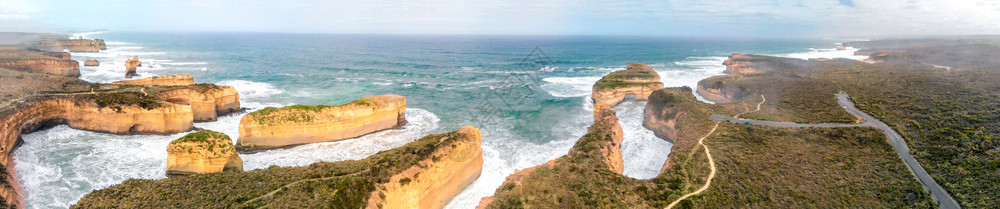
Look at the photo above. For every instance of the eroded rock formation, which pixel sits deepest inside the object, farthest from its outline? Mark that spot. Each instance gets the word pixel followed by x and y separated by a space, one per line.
pixel 425 173
pixel 53 66
pixel 638 80
pixel 598 151
pixel 300 124
pixel 740 64
pixel 206 103
pixel 433 183
pixel 160 80
pixel 716 89
pixel 131 65
pixel 73 45
pixel 91 63
pixel 202 152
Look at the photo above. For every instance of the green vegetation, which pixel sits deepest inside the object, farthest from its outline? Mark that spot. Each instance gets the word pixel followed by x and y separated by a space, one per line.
pixel 201 136
pixel 345 184
pixel 300 113
pixel 949 120
pixel 757 167
pixel 118 99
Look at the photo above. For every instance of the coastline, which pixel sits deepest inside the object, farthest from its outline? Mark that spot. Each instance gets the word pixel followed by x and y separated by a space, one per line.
pixel 262 100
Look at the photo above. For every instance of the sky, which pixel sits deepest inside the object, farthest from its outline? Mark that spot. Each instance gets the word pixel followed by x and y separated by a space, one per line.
pixel 752 18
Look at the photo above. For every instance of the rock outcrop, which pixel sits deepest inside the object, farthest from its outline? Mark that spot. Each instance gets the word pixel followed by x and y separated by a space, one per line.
pixel 433 183
pixel 91 63
pixel 206 103
pixel 425 173
pixel 638 80
pixel 716 89
pixel 841 48
pixel 131 65
pixel 73 45
pixel 740 64
pixel 160 80
pixel 202 152
pixel 596 153
pixel 300 124
pixel 53 66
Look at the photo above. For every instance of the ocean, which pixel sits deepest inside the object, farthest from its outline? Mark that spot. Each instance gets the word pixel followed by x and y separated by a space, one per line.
pixel 529 95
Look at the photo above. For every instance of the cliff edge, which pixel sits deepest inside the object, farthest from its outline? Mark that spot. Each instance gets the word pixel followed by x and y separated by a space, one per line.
pixel 301 124
pixel 202 152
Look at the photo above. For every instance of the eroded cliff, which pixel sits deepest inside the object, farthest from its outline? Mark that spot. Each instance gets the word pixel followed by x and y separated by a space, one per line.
pixel 202 152
pixel 160 80
pixel 425 173
pixel 73 45
pixel 300 124
pixel 638 80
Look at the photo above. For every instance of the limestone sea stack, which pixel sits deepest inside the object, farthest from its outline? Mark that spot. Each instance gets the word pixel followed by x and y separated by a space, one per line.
pixel 301 124
pixel 160 80
pixel 131 65
pixel 207 103
pixel 91 63
pixel 841 48
pixel 639 80
pixel 433 182
pixel 740 64
pixel 202 152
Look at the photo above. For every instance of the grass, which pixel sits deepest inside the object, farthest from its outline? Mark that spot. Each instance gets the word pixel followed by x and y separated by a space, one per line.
pixel 118 99
pixel 758 167
pixel 201 136
pixel 347 184
pixel 300 113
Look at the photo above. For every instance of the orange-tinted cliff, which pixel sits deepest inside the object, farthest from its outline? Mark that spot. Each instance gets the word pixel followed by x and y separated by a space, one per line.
pixel 299 124
pixel 638 80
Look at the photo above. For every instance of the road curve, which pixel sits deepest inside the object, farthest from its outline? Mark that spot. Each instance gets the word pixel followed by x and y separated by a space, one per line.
pixel 937 192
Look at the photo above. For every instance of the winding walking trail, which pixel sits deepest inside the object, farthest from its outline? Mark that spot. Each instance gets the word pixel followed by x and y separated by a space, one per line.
pixel 711 162
pixel 898 144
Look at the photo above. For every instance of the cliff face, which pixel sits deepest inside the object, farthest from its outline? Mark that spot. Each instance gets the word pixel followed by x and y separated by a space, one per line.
pixel 53 66
pixel 716 90
pixel 73 45
pixel 202 152
pixel 638 80
pixel 439 180
pixel 299 124
pixel 160 80
pixel 740 64
pixel 566 181
pixel 425 173
pixel 91 63
pixel 207 105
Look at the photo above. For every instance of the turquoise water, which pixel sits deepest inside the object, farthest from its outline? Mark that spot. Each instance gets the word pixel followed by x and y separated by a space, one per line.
pixel 528 115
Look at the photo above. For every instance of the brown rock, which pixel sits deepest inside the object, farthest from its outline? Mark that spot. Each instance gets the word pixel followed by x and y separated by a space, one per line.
pixel 130 66
pixel 206 104
pixel 841 48
pixel 53 66
pixel 73 45
pixel 160 80
pixel 439 180
pixel 606 132
pixel 59 55
pixel 638 80
pixel 202 152
pixel 740 64
pixel 91 63
pixel 300 124
pixel 716 89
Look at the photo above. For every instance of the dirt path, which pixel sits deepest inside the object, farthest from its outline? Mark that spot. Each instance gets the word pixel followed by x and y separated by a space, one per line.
pixel 711 161
pixel 283 187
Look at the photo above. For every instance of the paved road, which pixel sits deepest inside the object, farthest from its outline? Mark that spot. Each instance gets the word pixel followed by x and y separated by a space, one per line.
pixel 897 142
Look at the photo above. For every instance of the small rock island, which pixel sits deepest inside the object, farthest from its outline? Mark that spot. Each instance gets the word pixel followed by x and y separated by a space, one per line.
pixel 202 152
pixel 302 124
pixel 639 80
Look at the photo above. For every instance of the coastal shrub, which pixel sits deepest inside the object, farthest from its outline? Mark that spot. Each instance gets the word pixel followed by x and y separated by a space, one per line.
pixel 118 99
